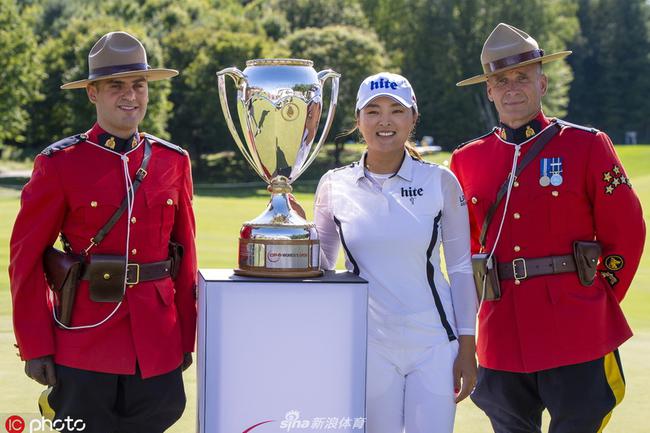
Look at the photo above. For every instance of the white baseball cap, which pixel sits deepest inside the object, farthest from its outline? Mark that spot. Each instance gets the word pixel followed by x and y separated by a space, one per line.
pixel 386 84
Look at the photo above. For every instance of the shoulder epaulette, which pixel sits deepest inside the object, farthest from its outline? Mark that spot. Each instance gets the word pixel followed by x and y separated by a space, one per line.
pixel 477 138
pixel 165 143
pixel 566 124
pixel 346 166
pixel 63 144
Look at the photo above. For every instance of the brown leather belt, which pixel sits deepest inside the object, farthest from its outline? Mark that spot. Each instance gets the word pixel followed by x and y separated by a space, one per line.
pixel 522 268
pixel 138 273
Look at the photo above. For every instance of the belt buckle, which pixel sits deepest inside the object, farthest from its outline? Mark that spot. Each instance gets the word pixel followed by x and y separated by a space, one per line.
pixel 514 269
pixel 136 268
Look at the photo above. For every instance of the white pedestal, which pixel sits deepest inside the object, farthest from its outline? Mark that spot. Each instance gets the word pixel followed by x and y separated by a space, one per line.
pixel 281 355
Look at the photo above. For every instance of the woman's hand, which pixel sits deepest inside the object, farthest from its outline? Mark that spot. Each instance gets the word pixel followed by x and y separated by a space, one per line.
pixel 465 367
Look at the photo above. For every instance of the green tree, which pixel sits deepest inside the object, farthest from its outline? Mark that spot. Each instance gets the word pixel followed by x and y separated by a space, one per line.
pixel 612 62
pixel 21 73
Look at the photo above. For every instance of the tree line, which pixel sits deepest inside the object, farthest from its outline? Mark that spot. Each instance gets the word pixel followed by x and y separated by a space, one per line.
pixel 434 43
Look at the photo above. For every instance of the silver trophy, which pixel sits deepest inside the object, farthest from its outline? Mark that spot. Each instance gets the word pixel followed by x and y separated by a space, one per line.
pixel 279 102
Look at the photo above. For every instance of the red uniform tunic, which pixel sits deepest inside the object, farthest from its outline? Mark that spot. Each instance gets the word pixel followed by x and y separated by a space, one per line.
pixel 75 191
pixel 550 321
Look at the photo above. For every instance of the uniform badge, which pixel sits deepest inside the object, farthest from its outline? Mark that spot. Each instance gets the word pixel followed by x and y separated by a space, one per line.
pixel 612 279
pixel 614 262
pixel 134 143
pixel 110 143
pixel 615 178
pixel 529 131
pixel 502 134
pixel 550 172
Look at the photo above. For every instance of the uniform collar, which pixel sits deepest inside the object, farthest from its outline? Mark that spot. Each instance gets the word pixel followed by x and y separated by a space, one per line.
pixel 405 171
pixel 121 145
pixel 524 132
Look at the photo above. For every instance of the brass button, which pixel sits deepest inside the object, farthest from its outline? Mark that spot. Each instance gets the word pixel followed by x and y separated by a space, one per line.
pixel 515 184
pixel 107 276
pixel 130 286
pixel 474 200
pixel 93 203
pixel 517 282
pixel 134 251
pixel 555 193
pixel 517 216
pixel 133 220
pixel 517 248
pixel 170 201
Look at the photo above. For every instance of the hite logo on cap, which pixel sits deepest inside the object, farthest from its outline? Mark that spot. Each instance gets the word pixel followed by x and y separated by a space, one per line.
pixel 383 84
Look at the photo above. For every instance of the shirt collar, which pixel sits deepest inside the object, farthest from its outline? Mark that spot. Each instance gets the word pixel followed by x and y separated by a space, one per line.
pixel 405 171
pixel 524 132
pixel 105 139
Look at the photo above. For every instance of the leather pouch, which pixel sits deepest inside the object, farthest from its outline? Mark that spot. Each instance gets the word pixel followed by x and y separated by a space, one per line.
pixel 106 275
pixel 486 277
pixel 62 272
pixel 586 255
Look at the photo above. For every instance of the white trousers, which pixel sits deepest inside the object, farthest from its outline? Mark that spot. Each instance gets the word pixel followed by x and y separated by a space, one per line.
pixel 410 390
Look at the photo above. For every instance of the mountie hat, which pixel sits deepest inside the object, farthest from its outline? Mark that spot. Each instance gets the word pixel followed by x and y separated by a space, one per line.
pixel 386 84
pixel 507 48
pixel 118 55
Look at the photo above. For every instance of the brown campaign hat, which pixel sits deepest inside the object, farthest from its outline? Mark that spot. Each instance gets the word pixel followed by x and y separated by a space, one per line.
pixel 118 54
pixel 506 48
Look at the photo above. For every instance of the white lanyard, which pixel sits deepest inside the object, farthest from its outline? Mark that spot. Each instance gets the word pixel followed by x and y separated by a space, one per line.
pixel 129 209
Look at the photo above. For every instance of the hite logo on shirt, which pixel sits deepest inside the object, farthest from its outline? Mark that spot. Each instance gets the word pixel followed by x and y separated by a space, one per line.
pixel 412 193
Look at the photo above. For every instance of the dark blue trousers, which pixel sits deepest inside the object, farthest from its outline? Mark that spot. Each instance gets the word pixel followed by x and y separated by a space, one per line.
pixel 580 398
pixel 112 403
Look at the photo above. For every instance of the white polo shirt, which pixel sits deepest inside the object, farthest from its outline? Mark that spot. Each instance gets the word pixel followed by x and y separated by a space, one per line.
pixel 391 235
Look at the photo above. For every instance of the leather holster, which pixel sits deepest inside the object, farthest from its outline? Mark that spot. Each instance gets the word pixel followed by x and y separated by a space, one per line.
pixel 62 272
pixel 586 255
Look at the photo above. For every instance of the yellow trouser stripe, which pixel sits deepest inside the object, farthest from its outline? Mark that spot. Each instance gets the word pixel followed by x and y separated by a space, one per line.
pixel 616 383
pixel 44 405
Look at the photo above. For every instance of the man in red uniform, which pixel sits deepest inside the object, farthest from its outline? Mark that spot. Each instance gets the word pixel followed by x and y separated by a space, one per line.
pixel 117 365
pixel 550 341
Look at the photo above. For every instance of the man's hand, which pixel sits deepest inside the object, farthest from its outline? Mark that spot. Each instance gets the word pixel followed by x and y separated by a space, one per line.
pixel 41 370
pixel 465 367
pixel 187 361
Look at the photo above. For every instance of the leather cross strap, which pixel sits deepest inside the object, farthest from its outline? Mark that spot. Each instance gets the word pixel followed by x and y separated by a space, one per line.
pixel 536 148
pixel 138 273
pixel 139 176
pixel 522 268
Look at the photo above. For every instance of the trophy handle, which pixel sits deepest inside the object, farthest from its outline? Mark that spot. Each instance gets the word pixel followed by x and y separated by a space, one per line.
pixel 240 79
pixel 322 77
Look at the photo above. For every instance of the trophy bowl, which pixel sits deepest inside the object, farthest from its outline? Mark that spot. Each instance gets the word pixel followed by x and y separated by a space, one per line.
pixel 279 106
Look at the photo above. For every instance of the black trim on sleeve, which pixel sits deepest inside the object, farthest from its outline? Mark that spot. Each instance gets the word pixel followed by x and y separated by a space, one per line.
pixel 355 267
pixel 432 284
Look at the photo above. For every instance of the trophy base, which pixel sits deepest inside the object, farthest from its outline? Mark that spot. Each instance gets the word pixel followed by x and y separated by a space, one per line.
pixel 277 274
pixel 279 243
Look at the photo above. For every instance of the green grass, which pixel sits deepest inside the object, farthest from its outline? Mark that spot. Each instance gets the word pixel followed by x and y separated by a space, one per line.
pixel 219 216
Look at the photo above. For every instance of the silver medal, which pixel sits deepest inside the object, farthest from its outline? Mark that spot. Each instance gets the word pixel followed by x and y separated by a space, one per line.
pixel 556 179
pixel 544 181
